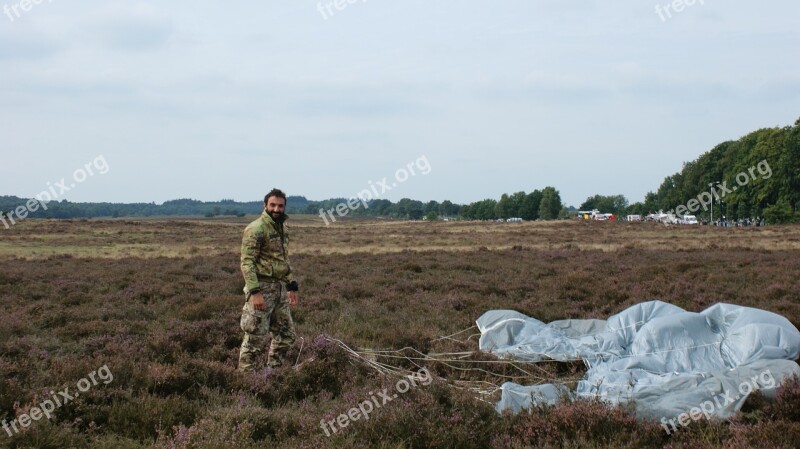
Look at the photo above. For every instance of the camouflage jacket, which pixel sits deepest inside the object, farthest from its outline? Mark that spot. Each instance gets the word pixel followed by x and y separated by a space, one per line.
pixel 265 254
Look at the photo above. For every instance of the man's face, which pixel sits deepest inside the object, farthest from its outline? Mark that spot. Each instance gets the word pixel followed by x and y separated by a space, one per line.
pixel 275 207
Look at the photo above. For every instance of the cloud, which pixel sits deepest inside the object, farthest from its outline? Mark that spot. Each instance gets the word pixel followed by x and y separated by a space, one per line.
pixel 128 28
pixel 134 34
pixel 27 43
pixel 584 86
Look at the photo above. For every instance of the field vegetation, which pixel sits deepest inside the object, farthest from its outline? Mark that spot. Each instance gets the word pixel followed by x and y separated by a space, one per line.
pixel 158 302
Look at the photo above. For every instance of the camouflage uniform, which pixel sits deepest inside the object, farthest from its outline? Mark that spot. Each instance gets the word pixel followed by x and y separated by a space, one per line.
pixel 265 265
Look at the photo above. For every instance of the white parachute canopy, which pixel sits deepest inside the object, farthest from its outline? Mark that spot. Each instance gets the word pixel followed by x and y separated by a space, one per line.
pixel 663 359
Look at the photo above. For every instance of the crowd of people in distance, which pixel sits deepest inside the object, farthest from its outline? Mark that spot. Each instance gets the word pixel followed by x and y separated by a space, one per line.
pixel 740 223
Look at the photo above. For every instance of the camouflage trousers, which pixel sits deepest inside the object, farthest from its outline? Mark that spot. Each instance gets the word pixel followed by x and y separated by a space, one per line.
pixel 276 321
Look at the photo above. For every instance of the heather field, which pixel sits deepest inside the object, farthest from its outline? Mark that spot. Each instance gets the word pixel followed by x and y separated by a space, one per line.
pixel 141 318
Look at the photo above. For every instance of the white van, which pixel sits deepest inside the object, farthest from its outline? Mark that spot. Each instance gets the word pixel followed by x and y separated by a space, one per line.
pixel 689 219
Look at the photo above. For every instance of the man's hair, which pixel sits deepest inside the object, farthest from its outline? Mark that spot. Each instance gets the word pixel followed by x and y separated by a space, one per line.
pixel 275 192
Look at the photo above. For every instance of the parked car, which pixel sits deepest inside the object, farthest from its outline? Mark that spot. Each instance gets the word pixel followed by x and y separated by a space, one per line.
pixel 689 219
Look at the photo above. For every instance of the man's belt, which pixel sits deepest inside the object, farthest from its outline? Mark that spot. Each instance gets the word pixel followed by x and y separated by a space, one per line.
pixel 267 279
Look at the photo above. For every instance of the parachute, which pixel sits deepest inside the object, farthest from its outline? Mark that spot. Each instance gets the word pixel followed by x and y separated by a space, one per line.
pixel 665 361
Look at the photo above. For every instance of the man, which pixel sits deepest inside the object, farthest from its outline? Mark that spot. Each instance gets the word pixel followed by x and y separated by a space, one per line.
pixel 265 266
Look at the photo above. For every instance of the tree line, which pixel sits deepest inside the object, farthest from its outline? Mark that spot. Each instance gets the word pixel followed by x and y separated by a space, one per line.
pixel 544 204
pixel 755 176
pixel 772 194
pixel 188 207
pixel 540 204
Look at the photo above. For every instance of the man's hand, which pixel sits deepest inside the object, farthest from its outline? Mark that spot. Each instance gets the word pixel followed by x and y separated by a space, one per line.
pixel 257 299
pixel 294 297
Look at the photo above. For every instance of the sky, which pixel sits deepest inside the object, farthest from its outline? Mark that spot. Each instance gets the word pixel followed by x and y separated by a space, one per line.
pixel 143 101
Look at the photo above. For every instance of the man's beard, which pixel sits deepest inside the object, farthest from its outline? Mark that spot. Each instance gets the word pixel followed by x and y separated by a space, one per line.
pixel 279 217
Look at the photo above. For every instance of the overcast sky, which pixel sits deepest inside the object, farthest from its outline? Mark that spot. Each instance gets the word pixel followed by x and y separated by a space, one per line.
pixel 209 99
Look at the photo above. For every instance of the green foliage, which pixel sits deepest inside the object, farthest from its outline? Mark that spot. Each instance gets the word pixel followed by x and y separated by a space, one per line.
pixel 409 208
pixel 530 205
pixel 504 208
pixel 637 208
pixel 431 206
pixel 545 204
pixel 767 164
pixel 551 205
pixel 184 207
pixel 405 208
pixel 566 213
pixel 615 204
pixel 448 209
pixel 481 210
pixel 510 206
pixel 781 213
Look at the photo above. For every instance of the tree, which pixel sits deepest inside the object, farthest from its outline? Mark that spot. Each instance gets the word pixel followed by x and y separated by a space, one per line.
pixel 503 207
pixel 566 212
pixel 616 204
pixel 760 169
pixel 650 203
pixel 380 207
pixel 401 207
pixel 550 205
pixel 480 210
pixel 516 200
pixel 485 209
pixel 780 213
pixel 412 209
pixel 415 210
pixel 636 209
pixel 447 208
pixel 432 206
pixel 529 210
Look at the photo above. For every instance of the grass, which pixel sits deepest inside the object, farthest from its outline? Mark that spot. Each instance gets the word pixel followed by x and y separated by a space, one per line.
pixel 175 238
pixel 158 301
